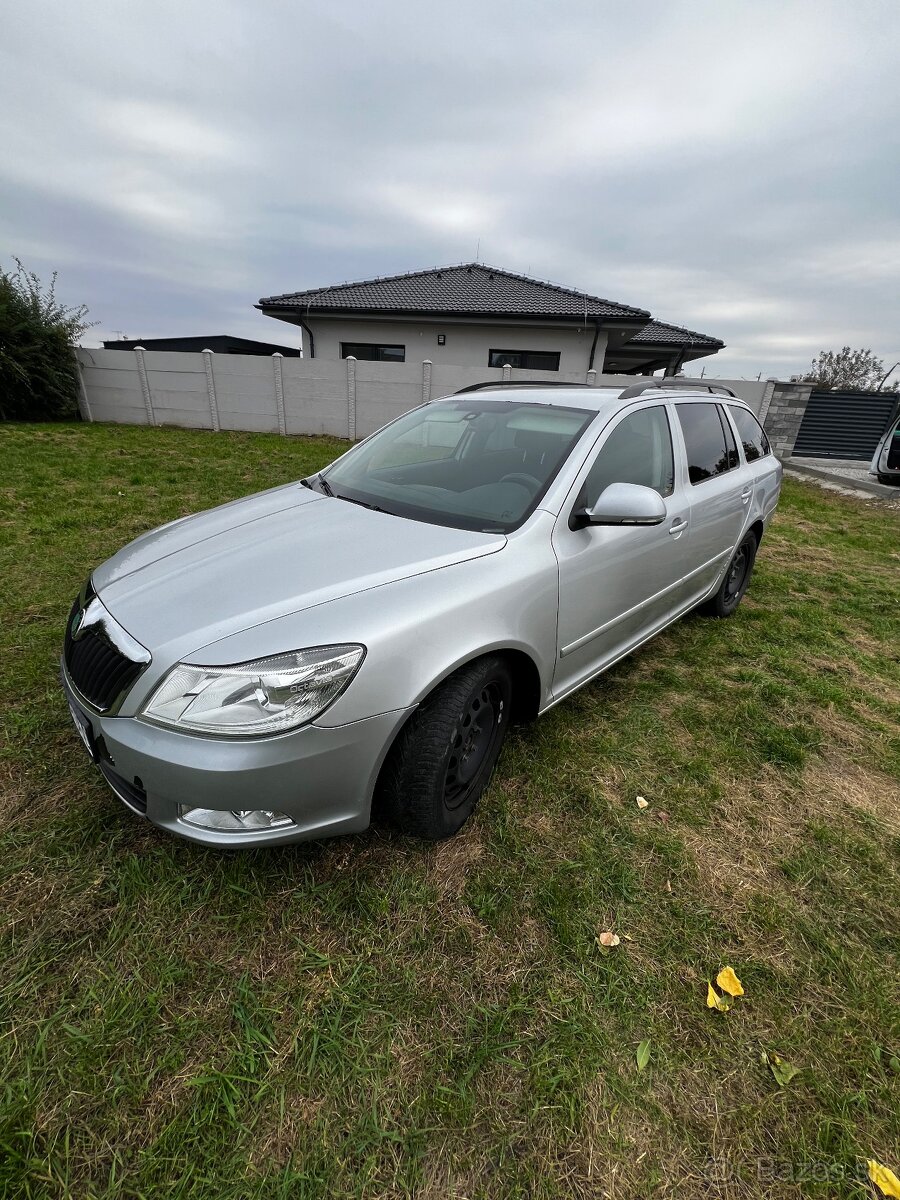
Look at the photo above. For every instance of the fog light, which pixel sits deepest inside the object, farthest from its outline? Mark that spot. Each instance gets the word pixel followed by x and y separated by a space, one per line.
pixel 249 820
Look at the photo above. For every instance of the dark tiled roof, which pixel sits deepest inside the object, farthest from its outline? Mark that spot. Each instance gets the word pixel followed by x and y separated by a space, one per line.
pixel 658 333
pixel 468 289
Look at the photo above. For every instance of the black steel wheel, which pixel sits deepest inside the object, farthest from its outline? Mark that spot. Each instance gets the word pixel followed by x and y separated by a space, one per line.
pixel 734 582
pixel 446 753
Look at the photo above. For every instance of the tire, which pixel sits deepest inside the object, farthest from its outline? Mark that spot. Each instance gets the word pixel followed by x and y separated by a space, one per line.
pixel 890 480
pixel 735 581
pixel 429 785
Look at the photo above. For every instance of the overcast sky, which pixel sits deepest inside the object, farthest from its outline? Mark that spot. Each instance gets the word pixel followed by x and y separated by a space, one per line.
pixel 733 167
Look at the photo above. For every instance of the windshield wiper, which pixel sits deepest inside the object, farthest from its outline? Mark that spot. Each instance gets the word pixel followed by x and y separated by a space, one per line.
pixel 321 481
pixel 363 504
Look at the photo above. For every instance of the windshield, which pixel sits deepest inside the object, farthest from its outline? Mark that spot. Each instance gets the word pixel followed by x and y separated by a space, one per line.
pixel 468 463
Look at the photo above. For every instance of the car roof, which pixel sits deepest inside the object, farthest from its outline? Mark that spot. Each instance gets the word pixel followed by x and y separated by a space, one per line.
pixel 594 399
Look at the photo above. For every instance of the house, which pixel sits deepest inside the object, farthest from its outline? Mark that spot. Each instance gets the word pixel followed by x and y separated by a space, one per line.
pixel 221 343
pixel 477 316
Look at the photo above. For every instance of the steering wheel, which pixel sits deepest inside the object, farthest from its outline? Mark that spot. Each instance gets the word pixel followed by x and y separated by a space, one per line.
pixel 524 480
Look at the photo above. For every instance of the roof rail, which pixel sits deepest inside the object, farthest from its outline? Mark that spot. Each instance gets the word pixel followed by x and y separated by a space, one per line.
pixel 666 385
pixel 514 383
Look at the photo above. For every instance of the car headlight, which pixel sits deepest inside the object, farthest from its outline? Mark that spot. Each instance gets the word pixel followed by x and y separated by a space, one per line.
pixel 269 695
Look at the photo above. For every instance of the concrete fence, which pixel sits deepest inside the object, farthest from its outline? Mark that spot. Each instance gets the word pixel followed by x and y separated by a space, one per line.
pixel 345 398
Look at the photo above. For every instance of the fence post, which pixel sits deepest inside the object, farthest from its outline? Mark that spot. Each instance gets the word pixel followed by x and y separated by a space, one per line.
pixel 507 372
pixel 426 380
pixel 145 384
pixel 211 389
pixel 766 400
pixel 84 404
pixel 277 358
pixel 592 377
pixel 351 398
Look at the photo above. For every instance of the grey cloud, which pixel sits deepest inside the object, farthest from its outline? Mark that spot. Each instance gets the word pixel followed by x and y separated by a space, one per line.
pixel 731 167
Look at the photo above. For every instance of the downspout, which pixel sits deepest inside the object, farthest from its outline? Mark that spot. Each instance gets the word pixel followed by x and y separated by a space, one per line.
pixel 308 333
pixel 590 365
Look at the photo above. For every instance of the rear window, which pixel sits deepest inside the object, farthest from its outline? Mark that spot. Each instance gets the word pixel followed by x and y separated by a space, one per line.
pixel 708 453
pixel 753 439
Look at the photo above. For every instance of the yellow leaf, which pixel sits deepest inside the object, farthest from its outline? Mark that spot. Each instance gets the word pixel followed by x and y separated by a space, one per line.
pixel 884 1179
pixel 642 803
pixel 714 1000
pixel 608 939
pixel 729 982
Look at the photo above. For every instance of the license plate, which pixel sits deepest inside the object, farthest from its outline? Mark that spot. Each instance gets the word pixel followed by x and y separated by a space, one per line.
pixel 84 730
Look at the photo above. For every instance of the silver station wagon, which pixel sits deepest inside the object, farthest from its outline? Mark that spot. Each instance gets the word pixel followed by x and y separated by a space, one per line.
pixel 283 666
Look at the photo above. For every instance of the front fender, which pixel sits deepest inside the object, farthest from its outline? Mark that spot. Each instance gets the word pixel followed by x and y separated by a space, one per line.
pixel 417 631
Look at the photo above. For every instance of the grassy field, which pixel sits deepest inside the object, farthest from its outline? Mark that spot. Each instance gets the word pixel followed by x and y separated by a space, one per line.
pixel 374 1017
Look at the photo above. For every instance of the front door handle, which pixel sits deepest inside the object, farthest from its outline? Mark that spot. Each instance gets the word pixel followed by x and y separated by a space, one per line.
pixel 679 525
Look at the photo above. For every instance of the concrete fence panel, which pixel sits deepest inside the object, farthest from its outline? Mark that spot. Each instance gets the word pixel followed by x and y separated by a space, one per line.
pixel 341 398
pixel 315 396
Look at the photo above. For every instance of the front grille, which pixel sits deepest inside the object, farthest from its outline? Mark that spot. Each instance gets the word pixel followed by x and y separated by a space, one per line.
pixel 97 668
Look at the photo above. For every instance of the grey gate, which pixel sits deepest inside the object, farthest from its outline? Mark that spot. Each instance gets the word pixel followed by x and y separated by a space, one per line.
pixel 844 424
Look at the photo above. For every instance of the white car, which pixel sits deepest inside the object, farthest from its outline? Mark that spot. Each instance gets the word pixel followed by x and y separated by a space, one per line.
pixel 886 460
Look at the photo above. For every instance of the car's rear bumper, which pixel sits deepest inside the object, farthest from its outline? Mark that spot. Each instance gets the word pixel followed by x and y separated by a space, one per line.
pixel 322 778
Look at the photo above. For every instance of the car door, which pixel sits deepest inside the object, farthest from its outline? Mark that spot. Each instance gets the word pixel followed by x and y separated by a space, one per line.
pixel 762 466
pixel 618 584
pixel 887 456
pixel 720 491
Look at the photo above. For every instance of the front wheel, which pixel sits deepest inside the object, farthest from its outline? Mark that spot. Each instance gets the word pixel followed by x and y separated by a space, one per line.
pixel 446 753
pixel 735 580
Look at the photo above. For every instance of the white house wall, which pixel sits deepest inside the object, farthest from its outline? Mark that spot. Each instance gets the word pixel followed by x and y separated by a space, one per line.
pixel 467 345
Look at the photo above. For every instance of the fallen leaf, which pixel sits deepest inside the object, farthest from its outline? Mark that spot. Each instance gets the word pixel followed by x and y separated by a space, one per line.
pixel 662 815
pixel 714 1000
pixel 729 982
pixel 783 1071
pixel 883 1178
pixel 642 803
pixel 643 1054
pixel 668 885
pixel 608 939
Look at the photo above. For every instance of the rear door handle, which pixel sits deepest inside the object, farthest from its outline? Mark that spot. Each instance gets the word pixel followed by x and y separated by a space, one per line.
pixel 746 494
pixel 679 525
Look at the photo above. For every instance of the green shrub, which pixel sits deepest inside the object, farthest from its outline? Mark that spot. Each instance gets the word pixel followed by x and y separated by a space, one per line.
pixel 38 375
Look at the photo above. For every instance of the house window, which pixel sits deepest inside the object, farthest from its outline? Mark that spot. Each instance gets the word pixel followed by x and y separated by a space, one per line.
pixel 373 352
pixel 531 360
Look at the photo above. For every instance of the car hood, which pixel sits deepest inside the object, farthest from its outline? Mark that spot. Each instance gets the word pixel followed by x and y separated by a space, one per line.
pixel 203 578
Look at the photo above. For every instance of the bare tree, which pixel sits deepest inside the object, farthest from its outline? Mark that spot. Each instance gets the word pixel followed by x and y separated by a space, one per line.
pixel 854 369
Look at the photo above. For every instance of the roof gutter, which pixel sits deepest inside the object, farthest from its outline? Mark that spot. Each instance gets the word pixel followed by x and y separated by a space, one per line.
pixel 272 310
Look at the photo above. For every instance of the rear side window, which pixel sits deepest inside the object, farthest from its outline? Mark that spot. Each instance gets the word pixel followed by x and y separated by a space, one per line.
pixel 754 441
pixel 708 454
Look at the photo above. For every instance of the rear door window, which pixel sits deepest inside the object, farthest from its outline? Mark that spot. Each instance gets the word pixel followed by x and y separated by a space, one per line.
pixel 708 454
pixel 732 458
pixel 753 439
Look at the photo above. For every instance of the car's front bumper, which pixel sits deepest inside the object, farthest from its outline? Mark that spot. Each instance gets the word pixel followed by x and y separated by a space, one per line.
pixel 322 778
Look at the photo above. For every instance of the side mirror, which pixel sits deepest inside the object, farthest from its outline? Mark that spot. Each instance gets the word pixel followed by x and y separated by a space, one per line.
pixel 622 504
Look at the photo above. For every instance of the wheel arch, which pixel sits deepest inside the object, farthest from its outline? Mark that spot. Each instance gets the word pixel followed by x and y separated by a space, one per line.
pixel 526 689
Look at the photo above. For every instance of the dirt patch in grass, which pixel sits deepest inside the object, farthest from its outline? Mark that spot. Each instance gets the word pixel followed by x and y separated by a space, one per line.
pixel 450 863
